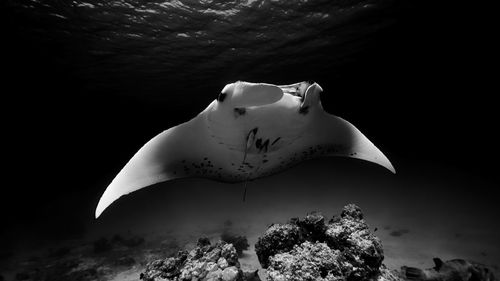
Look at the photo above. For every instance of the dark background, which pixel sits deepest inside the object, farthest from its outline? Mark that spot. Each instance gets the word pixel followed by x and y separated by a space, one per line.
pixel 79 97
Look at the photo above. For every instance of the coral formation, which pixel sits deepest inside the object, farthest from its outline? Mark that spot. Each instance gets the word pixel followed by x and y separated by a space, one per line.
pixel 361 251
pixel 307 261
pixel 278 238
pixel 205 262
pixel 309 249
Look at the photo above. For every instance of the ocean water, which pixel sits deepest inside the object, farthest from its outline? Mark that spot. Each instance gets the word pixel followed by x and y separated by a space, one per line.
pixel 97 79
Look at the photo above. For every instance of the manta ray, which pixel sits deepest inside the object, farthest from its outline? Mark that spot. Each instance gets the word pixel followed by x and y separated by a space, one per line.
pixel 250 131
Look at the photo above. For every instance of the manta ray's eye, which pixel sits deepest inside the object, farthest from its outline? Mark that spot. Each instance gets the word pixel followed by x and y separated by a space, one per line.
pixel 221 97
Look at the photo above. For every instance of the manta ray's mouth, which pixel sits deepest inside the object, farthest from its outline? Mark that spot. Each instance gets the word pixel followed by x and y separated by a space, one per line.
pixel 297 89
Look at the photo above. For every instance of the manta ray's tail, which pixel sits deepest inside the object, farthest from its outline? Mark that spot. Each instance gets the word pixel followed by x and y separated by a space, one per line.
pixel 245 191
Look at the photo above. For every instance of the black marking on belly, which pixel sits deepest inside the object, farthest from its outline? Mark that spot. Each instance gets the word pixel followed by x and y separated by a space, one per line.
pixel 258 143
pixel 277 139
pixel 239 111
pixel 253 131
pixel 250 139
pixel 264 146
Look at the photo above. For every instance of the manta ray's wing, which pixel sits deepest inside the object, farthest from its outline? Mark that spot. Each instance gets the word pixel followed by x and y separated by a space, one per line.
pixel 338 137
pixel 147 166
pixel 182 151
pixel 325 135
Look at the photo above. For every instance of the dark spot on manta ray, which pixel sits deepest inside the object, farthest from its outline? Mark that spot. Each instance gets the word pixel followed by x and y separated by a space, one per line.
pixel 265 146
pixel 221 97
pixel 304 110
pixel 238 111
pixel 258 143
pixel 277 139
pixel 262 146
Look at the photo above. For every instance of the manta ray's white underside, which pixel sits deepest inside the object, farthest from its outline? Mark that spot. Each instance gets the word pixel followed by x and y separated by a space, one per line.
pixel 251 130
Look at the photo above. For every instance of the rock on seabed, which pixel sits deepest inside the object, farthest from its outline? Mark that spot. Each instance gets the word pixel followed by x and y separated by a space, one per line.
pixel 206 262
pixel 310 249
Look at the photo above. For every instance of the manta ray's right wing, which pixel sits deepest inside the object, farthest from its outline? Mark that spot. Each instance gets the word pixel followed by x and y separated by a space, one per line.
pixel 347 140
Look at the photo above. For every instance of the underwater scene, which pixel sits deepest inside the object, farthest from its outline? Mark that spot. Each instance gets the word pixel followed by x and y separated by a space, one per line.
pixel 246 140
